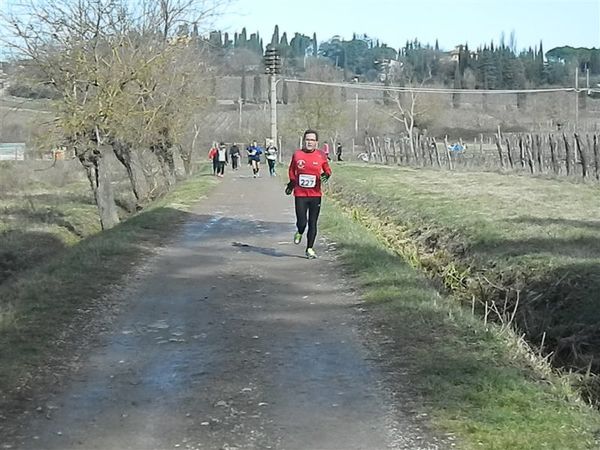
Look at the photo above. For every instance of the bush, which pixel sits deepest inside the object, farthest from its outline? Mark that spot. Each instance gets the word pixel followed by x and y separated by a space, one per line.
pixel 32 92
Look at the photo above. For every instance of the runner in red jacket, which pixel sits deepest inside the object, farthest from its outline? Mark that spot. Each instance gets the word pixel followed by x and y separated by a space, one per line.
pixel 308 169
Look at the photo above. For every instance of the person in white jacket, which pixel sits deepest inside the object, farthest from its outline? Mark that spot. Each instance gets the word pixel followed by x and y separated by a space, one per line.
pixel 271 155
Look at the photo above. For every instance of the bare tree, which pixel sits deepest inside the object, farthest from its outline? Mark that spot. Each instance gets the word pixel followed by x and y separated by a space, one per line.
pixel 124 82
pixel 319 107
pixel 410 109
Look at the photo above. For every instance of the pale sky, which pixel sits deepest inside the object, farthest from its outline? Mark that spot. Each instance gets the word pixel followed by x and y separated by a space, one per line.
pixel 476 22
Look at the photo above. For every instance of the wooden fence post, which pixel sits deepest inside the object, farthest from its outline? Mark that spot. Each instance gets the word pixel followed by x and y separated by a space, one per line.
pixel 404 151
pixel 553 158
pixel 509 152
pixel 568 154
pixel 528 149
pixel 521 151
pixel 540 152
pixel 448 152
pixel 596 158
pixel 499 147
pixel 427 148
pixel 481 144
pixel 582 155
pixel 437 153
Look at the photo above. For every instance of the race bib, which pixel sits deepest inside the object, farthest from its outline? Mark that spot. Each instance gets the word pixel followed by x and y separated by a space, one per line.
pixel 307 181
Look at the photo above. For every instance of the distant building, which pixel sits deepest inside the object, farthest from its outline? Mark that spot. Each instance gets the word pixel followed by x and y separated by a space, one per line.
pixel 454 55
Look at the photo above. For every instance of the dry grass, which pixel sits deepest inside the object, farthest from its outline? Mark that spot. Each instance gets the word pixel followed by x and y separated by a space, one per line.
pixel 477 382
pixel 498 238
pixel 55 268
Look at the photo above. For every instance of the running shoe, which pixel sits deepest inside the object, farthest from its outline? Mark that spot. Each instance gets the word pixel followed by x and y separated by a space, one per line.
pixel 310 253
pixel 297 238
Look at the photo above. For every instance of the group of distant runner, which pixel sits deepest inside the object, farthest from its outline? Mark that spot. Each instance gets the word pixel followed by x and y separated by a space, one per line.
pixel 308 170
pixel 222 156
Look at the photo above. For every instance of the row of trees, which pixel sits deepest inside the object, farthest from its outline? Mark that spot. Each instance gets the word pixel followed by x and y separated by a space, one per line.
pixel 126 84
pixel 491 66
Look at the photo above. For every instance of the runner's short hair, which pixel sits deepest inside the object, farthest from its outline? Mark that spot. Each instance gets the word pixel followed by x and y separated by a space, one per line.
pixel 310 132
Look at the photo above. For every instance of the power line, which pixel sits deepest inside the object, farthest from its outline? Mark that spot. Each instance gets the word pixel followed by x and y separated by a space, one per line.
pixel 372 87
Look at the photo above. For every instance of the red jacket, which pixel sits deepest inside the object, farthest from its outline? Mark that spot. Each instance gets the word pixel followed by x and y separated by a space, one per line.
pixel 305 171
pixel 212 153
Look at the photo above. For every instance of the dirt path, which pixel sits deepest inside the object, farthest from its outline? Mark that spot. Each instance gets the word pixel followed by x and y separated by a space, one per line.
pixel 231 339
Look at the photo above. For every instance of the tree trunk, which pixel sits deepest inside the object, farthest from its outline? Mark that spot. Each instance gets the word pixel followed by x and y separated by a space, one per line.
pixel 130 161
pixel 167 166
pixel 180 170
pixel 99 178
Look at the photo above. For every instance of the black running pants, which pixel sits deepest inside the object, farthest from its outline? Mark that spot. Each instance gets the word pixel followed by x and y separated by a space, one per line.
pixel 307 212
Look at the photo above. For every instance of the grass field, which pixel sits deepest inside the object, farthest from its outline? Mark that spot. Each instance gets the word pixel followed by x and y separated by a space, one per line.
pixel 495 239
pixel 477 381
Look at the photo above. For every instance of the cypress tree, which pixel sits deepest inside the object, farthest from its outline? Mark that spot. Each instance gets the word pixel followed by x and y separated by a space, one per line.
pixel 284 47
pixel 315 45
pixel 540 69
pixel 244 89
pixel 457 85
pixel 275 37
pixel 595 62
pixel 284 40
pixel 242 38
pixel 284 93
pixel 257 93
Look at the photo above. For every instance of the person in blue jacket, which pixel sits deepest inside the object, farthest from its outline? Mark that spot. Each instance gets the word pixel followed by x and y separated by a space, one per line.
pixel 254 151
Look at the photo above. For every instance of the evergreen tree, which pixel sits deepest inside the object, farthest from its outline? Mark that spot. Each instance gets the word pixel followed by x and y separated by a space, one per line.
pixel 595 62
pixel 457 85
pixel 275 37
pixel 284 47
pixel 284 93
pixel 244 89
pixel 242 38
pixel 257 92
pixel 540 74
pixel 215 40
pixel 284 40
pixel 315 46
pixel 254 44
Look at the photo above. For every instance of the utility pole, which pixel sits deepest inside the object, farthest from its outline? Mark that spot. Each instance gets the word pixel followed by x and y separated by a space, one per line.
pixel 273 102
pixel 273 68
pixel 576 98
pixel 240 114
pixel 355 116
